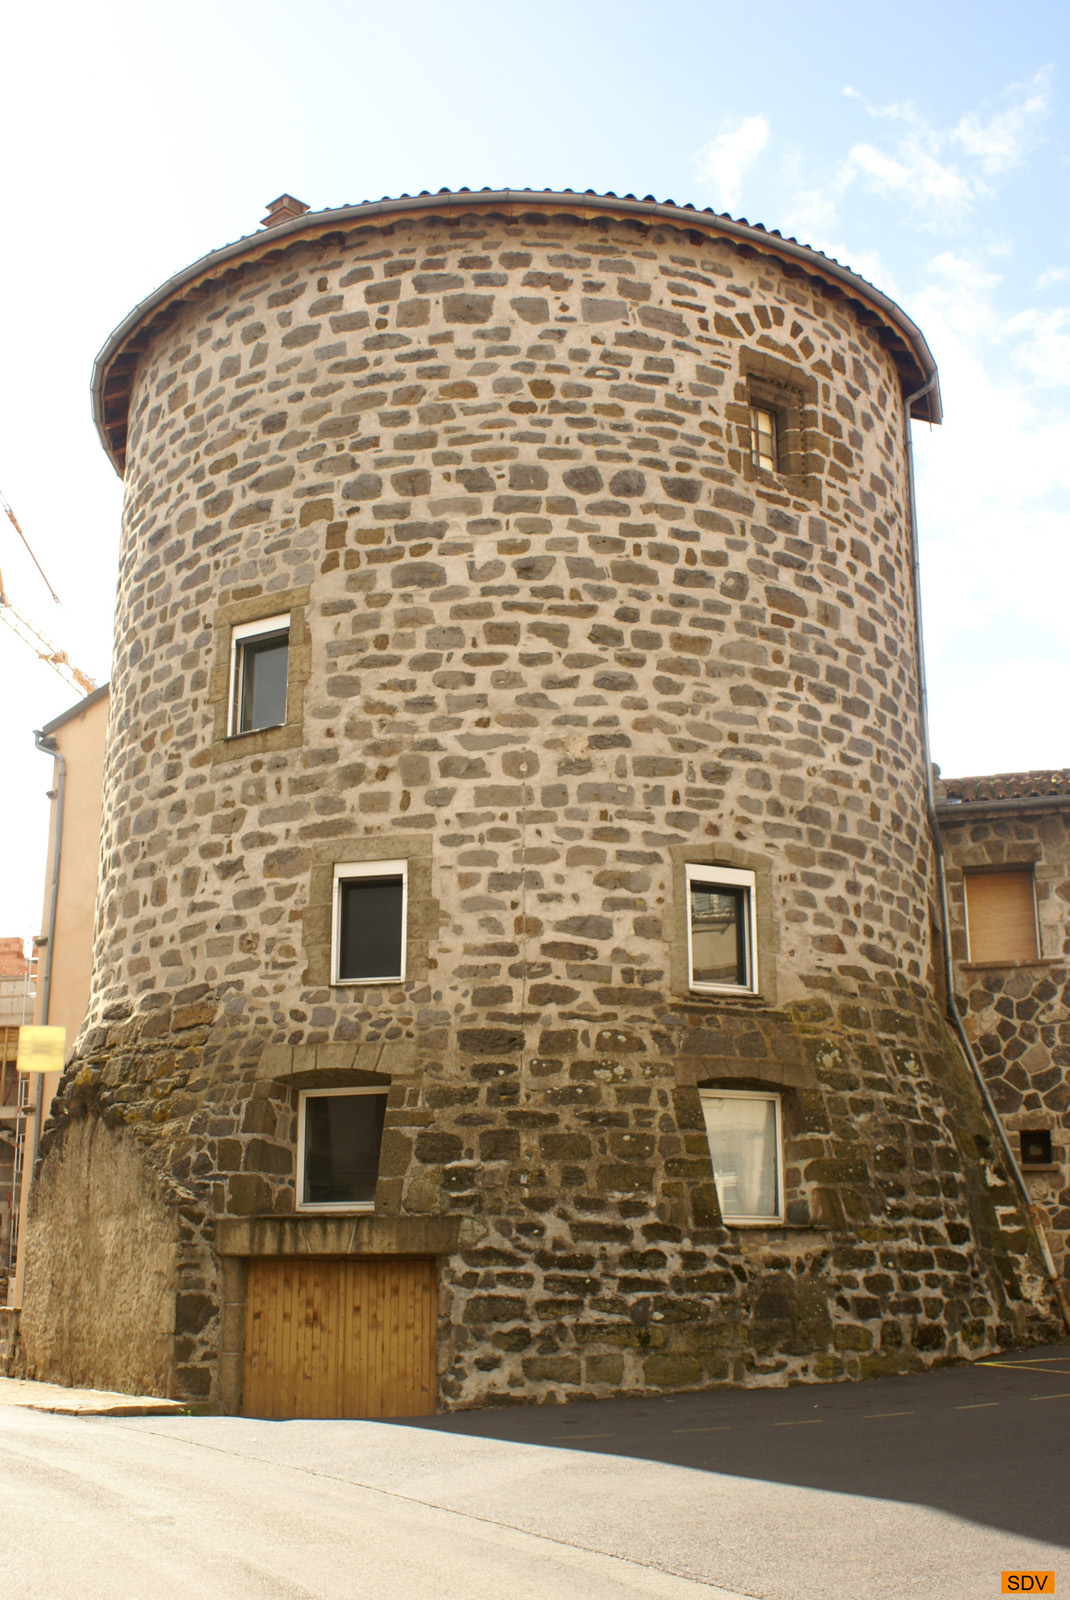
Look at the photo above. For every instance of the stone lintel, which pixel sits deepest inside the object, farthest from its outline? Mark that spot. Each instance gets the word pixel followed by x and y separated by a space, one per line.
pixel 337 1236
pixel 299 1064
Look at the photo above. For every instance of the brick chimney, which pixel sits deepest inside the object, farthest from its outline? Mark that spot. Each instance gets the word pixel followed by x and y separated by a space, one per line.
pixel 283 210
pixel 13 962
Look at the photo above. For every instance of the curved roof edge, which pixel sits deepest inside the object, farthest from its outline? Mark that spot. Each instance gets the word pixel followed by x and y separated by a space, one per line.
pixel 114 367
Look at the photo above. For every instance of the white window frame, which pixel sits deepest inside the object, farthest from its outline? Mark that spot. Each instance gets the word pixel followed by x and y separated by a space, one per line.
pixel 754 1094
pixel 714 877
pixel 345 872
pixel 241 634
pixel 320 1094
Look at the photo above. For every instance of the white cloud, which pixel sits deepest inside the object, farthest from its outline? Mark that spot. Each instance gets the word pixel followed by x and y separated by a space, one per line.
pixel 939 173
pixel 1051 276
pixel 1033 344
pixel 1040 345
pixel 993 485
pixel 1004 139
pixel 960 291
pixel 914 173
pixel 817 207
pixel 725 161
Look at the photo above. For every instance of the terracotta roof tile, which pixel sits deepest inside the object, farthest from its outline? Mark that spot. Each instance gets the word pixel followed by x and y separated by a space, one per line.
pixel 1043 783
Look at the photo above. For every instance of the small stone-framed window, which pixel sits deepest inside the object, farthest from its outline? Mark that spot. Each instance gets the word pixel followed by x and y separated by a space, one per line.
pixel 259 669
pixel 370 916
pixel 743 875
pixel 339 1134
pixel 1035 1147
pixel 722 929
pixel 347 858
pixel 743 1128
pixel 776 423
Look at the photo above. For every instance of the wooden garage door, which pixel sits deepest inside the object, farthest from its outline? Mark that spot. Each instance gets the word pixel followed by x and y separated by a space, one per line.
pixel 339 1338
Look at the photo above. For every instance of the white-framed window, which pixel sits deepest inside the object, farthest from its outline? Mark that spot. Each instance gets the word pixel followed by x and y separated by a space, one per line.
pixel 722 939
pixel 339 1132
pixel 370 919
pixel 259 668
pixel 746 1150
pixel 763 438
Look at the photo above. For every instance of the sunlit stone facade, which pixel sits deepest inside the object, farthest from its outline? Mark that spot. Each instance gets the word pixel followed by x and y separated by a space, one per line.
pixel 555 637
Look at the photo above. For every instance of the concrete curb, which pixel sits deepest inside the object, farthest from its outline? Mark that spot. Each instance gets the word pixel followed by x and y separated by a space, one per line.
pixel 31 1396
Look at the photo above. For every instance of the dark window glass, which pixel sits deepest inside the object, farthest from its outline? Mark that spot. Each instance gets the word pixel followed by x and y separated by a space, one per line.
pixel 1036 1148
pixel 719 935
pixel 369 928
pixel 262 667
pixel 342 1137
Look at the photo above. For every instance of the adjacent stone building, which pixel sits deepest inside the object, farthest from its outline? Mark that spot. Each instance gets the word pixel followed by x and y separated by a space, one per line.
pixel 1007 844
pixel 515 793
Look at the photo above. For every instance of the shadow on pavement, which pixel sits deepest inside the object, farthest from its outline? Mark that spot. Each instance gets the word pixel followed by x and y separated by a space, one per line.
pixel 989 1442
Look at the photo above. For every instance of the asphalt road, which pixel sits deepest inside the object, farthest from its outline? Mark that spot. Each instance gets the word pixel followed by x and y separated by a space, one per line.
pixel 988 1442
pixel 927 1486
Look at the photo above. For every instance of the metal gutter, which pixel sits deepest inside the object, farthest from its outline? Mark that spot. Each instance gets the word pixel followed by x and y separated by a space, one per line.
pixel 514 202
pixel 978 810
pixel 48 747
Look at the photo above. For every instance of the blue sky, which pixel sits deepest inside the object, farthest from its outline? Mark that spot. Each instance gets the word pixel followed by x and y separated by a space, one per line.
pixel 927 146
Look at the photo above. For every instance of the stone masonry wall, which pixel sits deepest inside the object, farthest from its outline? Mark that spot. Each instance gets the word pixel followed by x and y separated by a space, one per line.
pixel 562 638
pixel 1018 1015
pixel 96 1216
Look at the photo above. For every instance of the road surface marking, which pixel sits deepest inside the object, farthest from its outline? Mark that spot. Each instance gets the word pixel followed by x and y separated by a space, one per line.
pixel 584 1436
pixel 1064 1396
pixel 803 1422
pixel 872 1416
pixel 1045 1361
pixel 1021 1366
pixel 983 1405
pixel 725 1429
pixel 1030 1357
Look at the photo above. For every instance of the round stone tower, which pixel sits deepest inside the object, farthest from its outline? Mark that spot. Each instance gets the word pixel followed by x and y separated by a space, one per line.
pixel 516 889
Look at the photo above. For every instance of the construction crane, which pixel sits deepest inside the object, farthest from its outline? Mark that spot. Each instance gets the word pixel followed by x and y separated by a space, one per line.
pixel 28 632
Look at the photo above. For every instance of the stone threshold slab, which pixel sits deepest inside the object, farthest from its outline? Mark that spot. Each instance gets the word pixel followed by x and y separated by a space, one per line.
pixel 34 1396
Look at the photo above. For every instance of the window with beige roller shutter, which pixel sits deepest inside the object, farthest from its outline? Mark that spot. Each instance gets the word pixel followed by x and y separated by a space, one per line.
pixel 1001 916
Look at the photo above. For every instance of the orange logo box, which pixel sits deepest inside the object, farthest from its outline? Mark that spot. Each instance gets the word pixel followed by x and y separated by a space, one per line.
pixel 1028 1583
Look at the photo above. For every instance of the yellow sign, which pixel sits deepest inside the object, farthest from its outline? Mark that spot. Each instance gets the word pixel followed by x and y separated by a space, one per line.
pixel 41 1049
pixel 1028 1583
